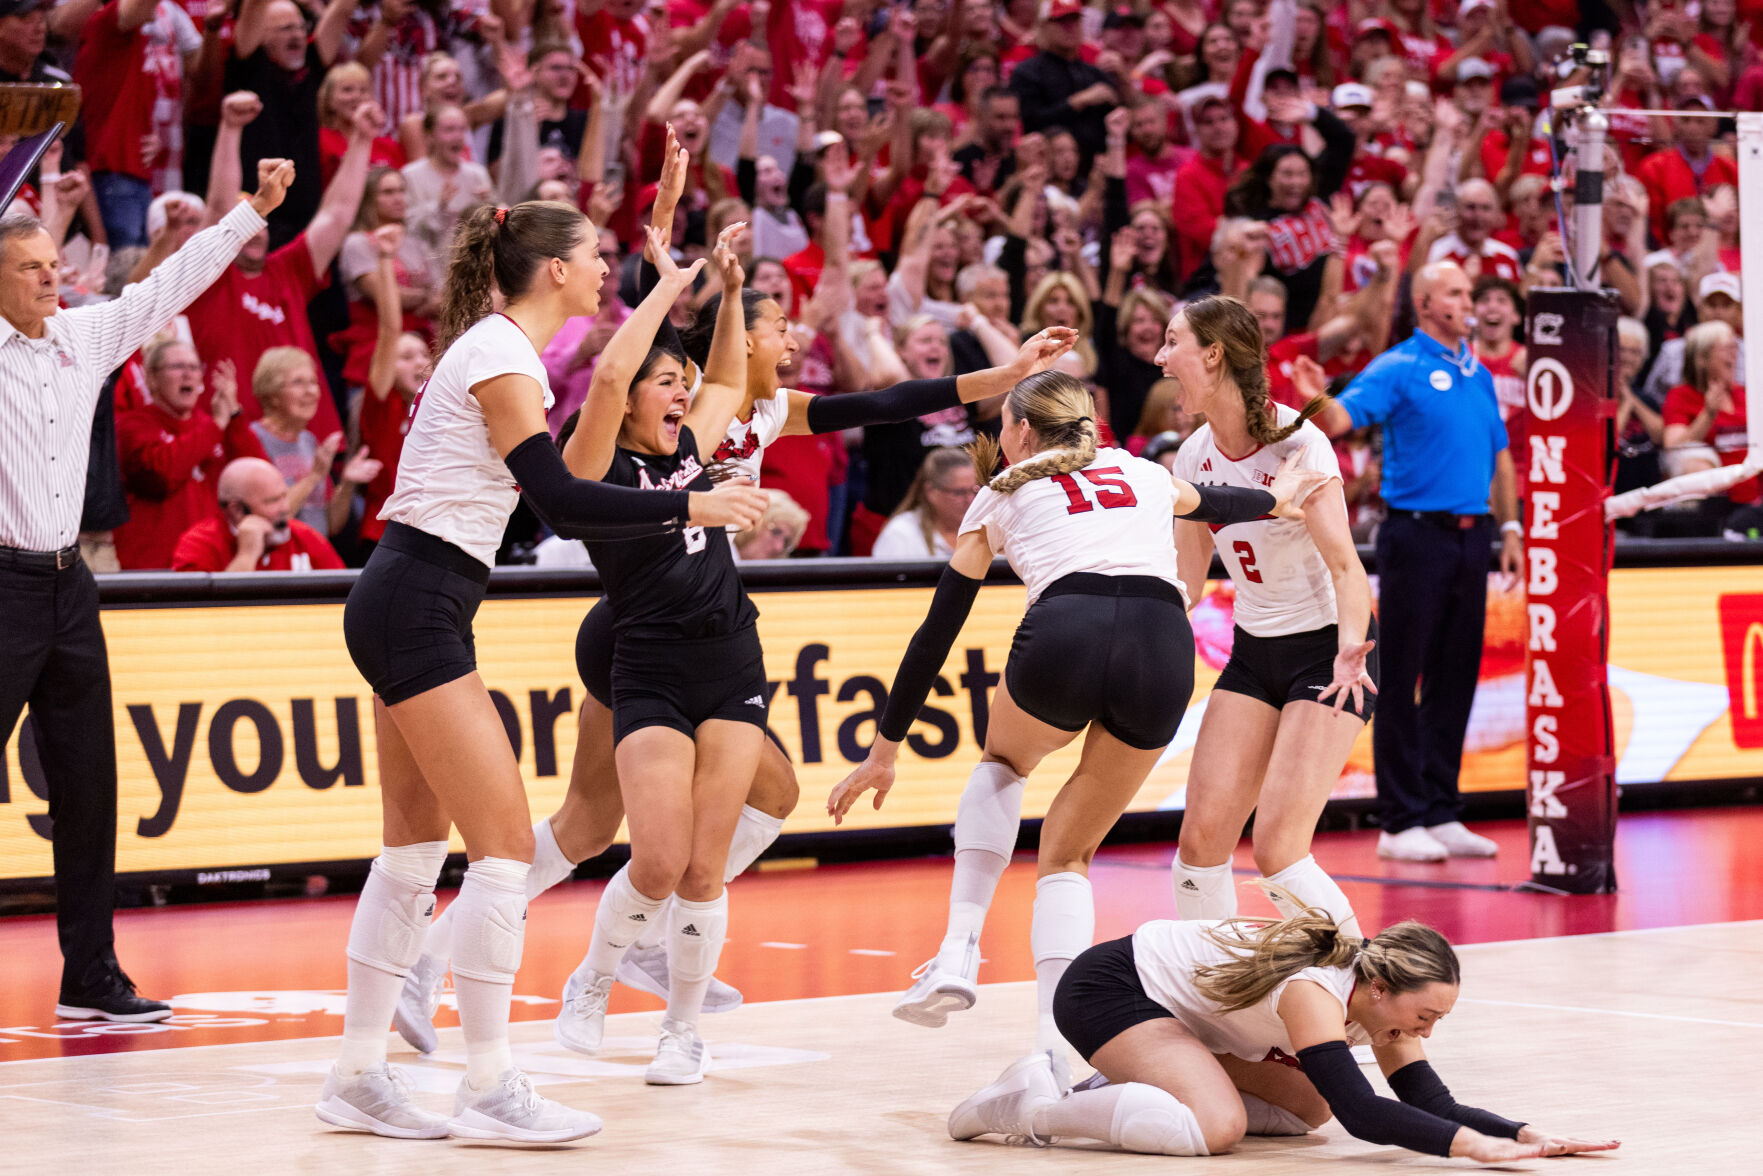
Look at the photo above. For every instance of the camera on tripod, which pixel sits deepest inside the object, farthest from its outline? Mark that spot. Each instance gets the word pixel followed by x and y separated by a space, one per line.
pixel 1594 64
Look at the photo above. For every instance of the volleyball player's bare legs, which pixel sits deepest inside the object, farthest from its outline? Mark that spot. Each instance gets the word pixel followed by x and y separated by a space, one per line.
pixel 1282 765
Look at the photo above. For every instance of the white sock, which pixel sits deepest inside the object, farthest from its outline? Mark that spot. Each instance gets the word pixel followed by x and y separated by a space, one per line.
pixel 986 822
pixel 1137 1117
pixel 490 931
pixel 971 888
pixel 694 944
pixel 550 866
pixel 754 833
pixel 625 913
pixel 1267 1119
pixel 385 940
pixel 1064 925
pixel 1314 887
pixel 1204 892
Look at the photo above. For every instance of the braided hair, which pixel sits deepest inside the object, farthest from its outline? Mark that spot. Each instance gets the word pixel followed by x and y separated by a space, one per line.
pixel 1062 413
pixel 503 249
pixel 1231 325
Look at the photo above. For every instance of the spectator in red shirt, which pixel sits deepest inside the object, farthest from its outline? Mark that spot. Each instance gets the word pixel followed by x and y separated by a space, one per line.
pixel 1473 246
pixel 1687 168
pixel 1201 182
pixel 1705 424
pixel 344 89
pixel 1152 160
pixel 252 531
pixel 260 301
pixel 131 65
pixel 401 362
pixel 171 455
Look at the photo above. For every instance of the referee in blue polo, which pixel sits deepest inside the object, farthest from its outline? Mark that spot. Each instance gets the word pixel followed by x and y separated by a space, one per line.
pixel 1445 463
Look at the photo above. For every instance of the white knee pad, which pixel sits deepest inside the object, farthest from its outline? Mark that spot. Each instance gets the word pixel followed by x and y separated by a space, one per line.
pixel 1150 1120
pixel 1267 1119
pixel 396 905
pixel 1314 887
pixel 990 811
pixel 489 929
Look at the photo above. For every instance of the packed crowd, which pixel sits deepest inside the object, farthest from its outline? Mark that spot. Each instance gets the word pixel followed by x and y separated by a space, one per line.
pixel 928 183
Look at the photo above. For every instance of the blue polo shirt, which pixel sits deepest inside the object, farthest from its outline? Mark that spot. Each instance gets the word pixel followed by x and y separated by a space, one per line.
pixel 1441 425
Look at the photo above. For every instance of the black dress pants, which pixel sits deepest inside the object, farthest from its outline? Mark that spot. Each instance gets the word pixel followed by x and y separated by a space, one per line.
pixel 52 657
pixel 1432 609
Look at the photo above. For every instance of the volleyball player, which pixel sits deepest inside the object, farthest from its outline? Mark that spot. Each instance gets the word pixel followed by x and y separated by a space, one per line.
pixel 1204 1032
pixel 1299 685
pixel 477 441
pixel 589 818
pixel 1105 644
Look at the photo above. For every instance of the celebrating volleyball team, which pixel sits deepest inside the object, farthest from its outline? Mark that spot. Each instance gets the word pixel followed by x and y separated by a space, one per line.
pixel 1199 1030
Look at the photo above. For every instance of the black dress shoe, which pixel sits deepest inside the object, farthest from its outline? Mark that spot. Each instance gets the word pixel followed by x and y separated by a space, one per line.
pixel 113 1000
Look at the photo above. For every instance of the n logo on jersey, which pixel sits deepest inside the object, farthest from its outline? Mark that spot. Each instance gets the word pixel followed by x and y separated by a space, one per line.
pixel 729 451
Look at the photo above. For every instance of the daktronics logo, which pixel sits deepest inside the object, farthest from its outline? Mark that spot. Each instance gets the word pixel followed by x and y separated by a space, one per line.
pixel 1741 645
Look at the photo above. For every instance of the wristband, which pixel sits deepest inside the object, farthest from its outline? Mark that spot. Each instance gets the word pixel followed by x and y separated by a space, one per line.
pixel 1513 527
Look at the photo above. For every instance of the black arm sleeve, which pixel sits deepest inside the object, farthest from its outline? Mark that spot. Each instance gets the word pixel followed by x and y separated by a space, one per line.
pixel 1332 1070
pixel 1419 1085
pixel 747 178
pixel 927 652
pixel 648 277
pixel 885 406
pixel 579 509
pixel 1336 157
pixel 1230 504
pixel 801 179
pixel 1013 260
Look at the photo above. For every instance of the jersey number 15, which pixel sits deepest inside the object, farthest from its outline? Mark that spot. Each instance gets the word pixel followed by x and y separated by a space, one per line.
pixel 1111 492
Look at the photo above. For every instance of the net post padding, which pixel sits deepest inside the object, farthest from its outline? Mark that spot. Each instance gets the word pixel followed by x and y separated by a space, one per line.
pixel 1570 738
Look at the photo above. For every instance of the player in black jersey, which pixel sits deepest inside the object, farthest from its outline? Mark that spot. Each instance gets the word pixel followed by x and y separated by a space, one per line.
pixel 689 695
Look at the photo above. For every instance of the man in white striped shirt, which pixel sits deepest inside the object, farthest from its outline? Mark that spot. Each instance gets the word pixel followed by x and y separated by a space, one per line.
pixel 53 365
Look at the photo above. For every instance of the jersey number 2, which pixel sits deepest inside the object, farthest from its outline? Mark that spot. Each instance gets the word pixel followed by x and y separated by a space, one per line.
pixel 1111 492
pixel 1246 560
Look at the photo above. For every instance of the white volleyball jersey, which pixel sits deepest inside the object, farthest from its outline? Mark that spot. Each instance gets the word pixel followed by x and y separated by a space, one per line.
pixel 745 443
pixel 1167 954
pixel 1282 581
pixel 1114 517
pixel 451 481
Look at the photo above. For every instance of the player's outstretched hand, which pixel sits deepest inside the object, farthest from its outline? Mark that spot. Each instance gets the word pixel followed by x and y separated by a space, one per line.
pixel 728 262
pixel 871 773
pixel 736 503
pixel 1350 678
pixel 1041 350
pixel 1291 485
pixel 1488 1149
pixel 1564 1145
pixel 665 266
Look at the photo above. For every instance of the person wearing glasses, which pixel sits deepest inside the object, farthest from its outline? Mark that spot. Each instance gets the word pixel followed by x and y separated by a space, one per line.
pixel 925 525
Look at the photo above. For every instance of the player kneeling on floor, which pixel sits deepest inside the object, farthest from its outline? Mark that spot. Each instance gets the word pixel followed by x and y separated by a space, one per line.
pixel 1203 1032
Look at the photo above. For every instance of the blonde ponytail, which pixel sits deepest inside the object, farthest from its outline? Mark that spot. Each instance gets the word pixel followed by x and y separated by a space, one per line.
pixel 1062 413
pixel 1402 958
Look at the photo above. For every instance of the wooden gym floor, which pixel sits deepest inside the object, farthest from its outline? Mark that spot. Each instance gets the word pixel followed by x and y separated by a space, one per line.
pixel 1638 1016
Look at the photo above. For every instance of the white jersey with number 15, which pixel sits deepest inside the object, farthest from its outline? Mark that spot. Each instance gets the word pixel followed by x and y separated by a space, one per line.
pixel 1282 581
pixel 1114 517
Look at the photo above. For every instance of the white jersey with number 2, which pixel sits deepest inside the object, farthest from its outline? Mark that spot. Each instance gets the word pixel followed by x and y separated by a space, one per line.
pixel 1282 581
pixel 1114 517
